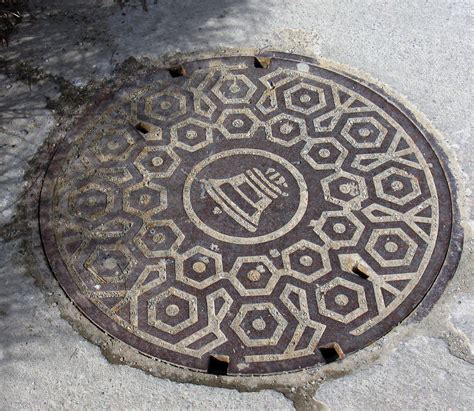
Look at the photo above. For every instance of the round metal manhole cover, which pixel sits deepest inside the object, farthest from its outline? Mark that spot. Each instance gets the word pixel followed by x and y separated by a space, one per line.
pixel 255 212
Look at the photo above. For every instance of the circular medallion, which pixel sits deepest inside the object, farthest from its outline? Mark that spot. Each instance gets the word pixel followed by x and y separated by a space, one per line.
pixel 252 196
pixel 264 214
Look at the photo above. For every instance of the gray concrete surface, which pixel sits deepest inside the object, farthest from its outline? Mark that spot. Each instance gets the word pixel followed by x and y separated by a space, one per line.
pixel 421 49
pixel 409 378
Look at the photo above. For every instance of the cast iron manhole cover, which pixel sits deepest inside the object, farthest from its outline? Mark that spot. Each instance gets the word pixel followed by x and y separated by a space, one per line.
pixel 246 211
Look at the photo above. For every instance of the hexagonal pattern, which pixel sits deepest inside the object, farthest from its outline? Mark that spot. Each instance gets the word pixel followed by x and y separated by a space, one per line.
pixel 305 98
pixel 238 123
pixel 191 134
pixel 251 332
pixel 364 132
pixel 145 198
pixel 234 89
pixel 199 267
pixel 165 311
pixel 254 275
pixel 391 247
pixel 157 162
pixel 397 186
pixel 254 209
pixel 306 261
pixel 165 105
pixel 158 238
pixel 324 153
pixel 91 201
pixel 286 130
pixel 345 189
pixel 338 228
pixel 110 264
pixel 113 144
pixel 341 300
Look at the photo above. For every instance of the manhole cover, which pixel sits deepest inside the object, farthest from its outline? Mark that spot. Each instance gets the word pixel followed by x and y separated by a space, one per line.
pixel 268 214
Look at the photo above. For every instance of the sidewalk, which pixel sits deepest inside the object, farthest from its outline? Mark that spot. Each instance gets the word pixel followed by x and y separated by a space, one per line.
pixel 421 49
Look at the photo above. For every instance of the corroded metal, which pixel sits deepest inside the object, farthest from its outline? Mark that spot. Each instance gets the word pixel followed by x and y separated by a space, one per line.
pixel 255 210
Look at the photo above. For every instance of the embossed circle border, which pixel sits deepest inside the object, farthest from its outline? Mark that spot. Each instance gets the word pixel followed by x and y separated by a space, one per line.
pixel 411 309
pixel 295 219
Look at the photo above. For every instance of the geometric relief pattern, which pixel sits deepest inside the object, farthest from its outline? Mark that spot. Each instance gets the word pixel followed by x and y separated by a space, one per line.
pixel 254 213
pixel 355 291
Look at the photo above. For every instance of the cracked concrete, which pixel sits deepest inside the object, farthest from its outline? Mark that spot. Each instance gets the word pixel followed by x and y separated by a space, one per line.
pixel 421 49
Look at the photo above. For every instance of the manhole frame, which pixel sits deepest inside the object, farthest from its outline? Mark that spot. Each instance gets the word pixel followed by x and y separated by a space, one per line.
pixel 445 274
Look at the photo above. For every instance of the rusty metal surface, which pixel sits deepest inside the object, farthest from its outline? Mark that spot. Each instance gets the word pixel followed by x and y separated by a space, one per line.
pixel 252 210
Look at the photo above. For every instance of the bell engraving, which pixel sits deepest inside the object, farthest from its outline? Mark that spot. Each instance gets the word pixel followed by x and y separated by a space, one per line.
pixel 244 197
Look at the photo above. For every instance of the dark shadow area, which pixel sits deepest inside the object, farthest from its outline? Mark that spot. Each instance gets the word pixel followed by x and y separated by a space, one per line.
pixel 331 352
pixel 81 40
pixel 11 12
pixel 75 41
pixel 23 122
pixel 85 39
pixel 218 365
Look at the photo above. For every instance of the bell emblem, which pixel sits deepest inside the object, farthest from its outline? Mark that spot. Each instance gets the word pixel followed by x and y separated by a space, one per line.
pixel 246 196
